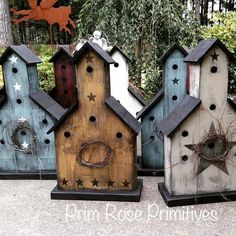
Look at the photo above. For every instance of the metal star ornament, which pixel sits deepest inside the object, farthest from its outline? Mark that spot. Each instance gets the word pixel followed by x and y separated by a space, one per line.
pixel 13 59
pixel 17 87
pixel 213 147
pixel 64 181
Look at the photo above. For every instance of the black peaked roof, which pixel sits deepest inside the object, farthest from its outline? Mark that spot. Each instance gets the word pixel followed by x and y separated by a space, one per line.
pixel 48 104
pixel 23 52
pixel 62 50
pixel 63 117
pixel 94 47
pixel 116 48
pixel 115 106
pixel 197 54
pixel 178 115
pixel 170 50
pixel 123 114
pixel 151 104
pixel 136 95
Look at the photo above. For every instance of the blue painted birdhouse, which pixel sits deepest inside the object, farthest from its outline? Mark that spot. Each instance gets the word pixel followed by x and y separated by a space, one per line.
pixel 26 150
pixel 173 92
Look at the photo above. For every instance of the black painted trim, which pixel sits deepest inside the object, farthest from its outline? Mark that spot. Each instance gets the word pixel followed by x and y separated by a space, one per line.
pixel 184 200
pixel 124 196
pixel 30 175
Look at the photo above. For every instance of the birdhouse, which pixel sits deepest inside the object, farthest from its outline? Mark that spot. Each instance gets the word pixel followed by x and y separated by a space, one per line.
pixel 26 150
pixel 120 87
pixel 64 90
pixel 96 138
pixel 173 92
pixel 200 134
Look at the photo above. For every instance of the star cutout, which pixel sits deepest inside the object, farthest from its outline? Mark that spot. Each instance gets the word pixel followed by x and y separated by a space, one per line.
pixel 89 58
pixel 95 182
pixel 175 81
pixel 13 59
pixel 91 97
pixel 79 182
pixel 126 184
pixel 25 145
pixel 17 87
pixel 64 181
pixel 214 56
pixel 203 163
pixel 110 183
pixel 22 119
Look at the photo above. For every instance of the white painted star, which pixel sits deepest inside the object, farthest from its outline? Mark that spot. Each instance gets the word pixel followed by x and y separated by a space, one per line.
pixel 13 59
pixel 17 87
pixel 22 119
pixel 25 145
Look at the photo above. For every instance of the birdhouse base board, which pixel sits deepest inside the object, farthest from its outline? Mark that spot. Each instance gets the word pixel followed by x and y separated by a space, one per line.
pixel 33 175
pixel 184 200
pixel 124 196
pixel 150 172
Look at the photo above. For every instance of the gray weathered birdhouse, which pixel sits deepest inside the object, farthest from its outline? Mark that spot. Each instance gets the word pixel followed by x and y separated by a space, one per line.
pixel 200 134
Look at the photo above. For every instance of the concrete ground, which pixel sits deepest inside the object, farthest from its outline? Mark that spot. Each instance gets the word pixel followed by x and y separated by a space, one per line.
pixel 26 209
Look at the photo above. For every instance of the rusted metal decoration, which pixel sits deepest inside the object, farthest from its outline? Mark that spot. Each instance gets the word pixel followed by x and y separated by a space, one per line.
pixel 46 11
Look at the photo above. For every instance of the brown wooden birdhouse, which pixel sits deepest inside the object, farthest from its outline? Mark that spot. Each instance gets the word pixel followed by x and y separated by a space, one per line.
pixel 64 91
pixel 96 138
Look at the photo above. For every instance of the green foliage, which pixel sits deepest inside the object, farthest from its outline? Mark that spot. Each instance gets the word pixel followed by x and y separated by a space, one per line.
pixel 45 69
pixel 224 28
pixel 143 28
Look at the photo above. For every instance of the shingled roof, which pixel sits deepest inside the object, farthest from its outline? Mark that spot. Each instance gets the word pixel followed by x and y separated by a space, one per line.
pixel 151 104
pixel 23 52
pixel 178 115
pixel 170 50
pixel 197 54
pixel 61 50
pixel 48 104
pixel 94 47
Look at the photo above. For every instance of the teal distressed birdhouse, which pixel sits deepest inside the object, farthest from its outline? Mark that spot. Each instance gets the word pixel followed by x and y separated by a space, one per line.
pixel 26 150
pixel 173 92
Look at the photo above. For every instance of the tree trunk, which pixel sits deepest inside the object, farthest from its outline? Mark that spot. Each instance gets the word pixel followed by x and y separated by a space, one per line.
pixel 197 10
pixel 5 24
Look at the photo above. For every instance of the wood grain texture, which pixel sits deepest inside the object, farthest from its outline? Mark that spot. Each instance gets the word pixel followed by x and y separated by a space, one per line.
pixel 152 143
pixel 182 174
pixel 64 91
pixel 122 164
pixel 10 159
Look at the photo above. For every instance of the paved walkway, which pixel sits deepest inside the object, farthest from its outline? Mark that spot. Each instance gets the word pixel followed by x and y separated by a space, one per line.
pixel 26 209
